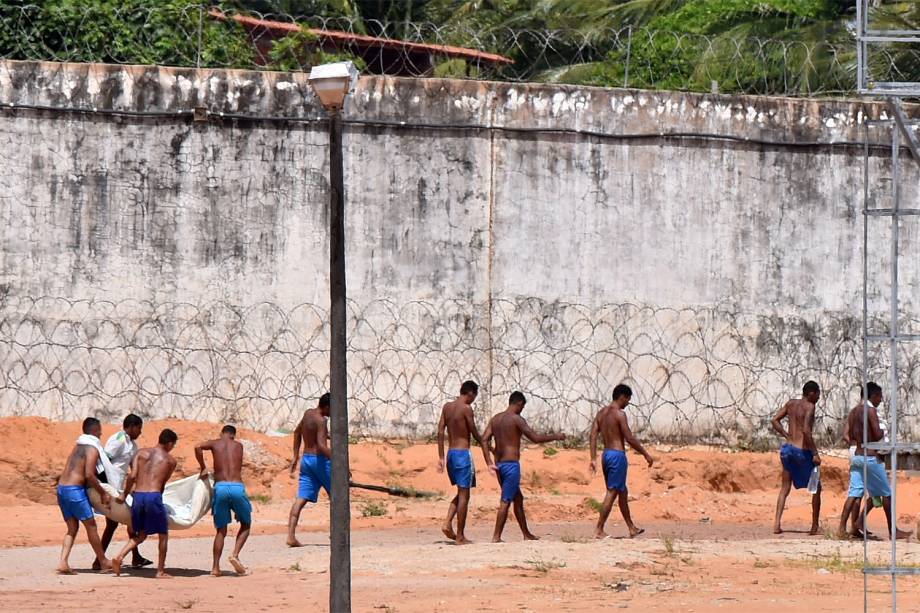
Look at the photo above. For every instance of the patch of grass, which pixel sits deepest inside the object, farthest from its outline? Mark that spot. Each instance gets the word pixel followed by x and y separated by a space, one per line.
pixel 549 452
pixel 670 547
pixel 186 604
pixel 295 567
pixel 836 563
pixel 759 444
pixel 831 535
pixel 353 440
pixel 568 538
pixel 554 491
pixel 260 498
pixel 373 509
pixel 574 442
pixel 594 504
pixel 761 564
pixel 544 566
pixel 535 479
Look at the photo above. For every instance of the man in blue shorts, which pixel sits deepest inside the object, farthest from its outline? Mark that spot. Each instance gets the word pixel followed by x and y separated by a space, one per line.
pixel 799 454
pixel 612 425
pixel 315 463
pixel 457 418
pixel 229 494
pixel 80 472
pixel 866 471
pixel 507 428
pixel 150 470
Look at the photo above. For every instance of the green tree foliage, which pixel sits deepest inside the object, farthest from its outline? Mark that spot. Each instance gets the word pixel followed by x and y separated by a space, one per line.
pixel 740 45
pixel 758 46
pixel 299 51
pixel 124 31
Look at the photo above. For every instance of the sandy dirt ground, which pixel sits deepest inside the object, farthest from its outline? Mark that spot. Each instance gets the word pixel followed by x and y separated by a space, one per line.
pixel 708 545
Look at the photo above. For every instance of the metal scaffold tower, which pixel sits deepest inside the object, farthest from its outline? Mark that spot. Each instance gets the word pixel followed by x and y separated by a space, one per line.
pixel 874 39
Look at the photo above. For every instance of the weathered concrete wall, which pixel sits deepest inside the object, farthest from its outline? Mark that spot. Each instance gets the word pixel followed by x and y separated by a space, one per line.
pixel 153 263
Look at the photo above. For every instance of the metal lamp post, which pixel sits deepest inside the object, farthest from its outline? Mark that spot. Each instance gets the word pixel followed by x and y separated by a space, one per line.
pixel 332 83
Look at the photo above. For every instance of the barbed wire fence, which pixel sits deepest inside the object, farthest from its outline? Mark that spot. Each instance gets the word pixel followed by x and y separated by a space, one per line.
pixel 698 373
pixel 212 36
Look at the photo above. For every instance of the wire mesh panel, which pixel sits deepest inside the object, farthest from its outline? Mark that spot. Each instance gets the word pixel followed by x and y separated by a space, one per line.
pixel 888 48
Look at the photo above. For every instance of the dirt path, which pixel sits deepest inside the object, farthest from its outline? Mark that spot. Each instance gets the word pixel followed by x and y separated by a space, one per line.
pixel 416 570
pixel 708 545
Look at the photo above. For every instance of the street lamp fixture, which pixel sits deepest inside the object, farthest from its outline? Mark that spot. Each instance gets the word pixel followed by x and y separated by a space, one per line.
pixel 332 83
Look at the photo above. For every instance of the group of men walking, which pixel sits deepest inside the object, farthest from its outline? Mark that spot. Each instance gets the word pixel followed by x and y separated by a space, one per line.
pixel 143 473
pixel 506 430
pixel 800 458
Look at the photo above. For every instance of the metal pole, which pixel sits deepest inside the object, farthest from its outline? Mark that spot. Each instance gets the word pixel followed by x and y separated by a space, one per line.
pixel 895 328
pixel 340 509
pixel 628 54
pixel 200 26
pixel 860 51
pixel 865 358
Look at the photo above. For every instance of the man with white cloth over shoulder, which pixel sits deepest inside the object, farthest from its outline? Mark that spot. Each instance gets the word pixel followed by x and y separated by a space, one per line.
pixel 120 449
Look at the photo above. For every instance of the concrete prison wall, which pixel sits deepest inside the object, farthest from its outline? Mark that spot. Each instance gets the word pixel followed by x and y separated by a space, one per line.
pixel 552 239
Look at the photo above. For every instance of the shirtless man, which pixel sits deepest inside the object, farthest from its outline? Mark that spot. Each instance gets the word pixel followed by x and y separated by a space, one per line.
pixel 799 454
pixel 856 518
pixel 315 464
pixel 876 481
pixel 507 428
pixel 612 425
pixel 79 472
pixel 457 417
pixel 151 469
pixel 229 494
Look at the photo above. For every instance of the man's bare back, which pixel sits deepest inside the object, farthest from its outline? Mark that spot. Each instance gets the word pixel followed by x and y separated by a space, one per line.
pixel 799 413
pixel 314 433
pixel 154 467
pixel 506 428
pixel 75 469
pixel 610 422
pixel 228 459
pixel 855 428
pixel 457 416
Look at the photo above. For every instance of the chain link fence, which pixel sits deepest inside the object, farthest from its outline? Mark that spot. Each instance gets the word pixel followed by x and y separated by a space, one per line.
pixel 180 34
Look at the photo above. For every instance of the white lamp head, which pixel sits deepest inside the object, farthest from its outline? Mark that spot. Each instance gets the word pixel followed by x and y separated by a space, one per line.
pixel 332 82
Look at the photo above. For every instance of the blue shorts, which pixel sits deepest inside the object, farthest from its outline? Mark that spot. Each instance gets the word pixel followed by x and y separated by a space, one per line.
pixel 509 477
pixel 798 463
pixel 876 477
pixel 315 472
pixel 615 467
pixel 460 468
pixel 148 514
pixel 74 503
pixel 230 495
